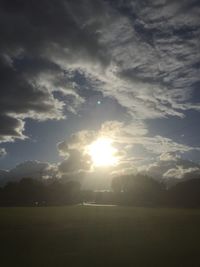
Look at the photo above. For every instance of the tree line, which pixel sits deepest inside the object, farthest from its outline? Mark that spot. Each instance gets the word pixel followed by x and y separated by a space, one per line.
pixel 33 192
pixel 137 190
pixel 144 190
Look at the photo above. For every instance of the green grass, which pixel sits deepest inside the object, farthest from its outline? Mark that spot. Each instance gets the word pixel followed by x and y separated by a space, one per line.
pixel 99 236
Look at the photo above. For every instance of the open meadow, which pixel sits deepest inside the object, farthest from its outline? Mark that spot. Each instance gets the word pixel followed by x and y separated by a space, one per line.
pixel 99 236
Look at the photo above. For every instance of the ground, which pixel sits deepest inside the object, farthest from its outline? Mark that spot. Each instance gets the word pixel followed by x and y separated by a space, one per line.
pixel 99 236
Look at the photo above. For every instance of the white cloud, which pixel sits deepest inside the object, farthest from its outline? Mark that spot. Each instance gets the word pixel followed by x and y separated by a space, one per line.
pixel 169 156
pixel 171 166
pixel 179 172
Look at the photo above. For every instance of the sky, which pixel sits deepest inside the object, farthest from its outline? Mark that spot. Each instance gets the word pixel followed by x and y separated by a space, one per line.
pixel 74 71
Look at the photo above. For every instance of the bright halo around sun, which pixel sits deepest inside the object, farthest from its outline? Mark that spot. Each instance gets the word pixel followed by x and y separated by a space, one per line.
pixel 102 152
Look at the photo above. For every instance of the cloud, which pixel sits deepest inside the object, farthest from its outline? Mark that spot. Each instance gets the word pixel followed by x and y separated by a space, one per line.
pixel 171 166
pixel 169 156
pixel 115 130
pixel 31 168
pixel 11 128
pixel 145 55
pixel 2 152
pixel 43 41
pixel 154 58
pixel 180 172
pixel 126 138
pixel 34 169
pixel 75 162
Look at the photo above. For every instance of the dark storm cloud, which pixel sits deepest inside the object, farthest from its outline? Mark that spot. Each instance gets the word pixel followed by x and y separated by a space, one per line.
pixel 40 27
pixel 10 127
pixel 35 38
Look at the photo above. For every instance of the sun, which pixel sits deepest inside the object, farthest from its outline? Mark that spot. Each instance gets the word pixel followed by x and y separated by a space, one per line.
pixel 102 152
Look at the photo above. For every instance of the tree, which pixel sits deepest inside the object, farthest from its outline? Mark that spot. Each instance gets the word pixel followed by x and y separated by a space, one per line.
pixel 186 193
pixel 138 189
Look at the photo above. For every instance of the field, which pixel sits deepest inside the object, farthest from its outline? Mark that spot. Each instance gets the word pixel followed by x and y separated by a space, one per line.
pixel 99 236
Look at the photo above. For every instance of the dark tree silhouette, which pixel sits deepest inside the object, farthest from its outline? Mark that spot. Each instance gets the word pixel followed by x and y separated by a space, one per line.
pixel 186 193
pixel 31 192
pixel 126 190
pixel 138 189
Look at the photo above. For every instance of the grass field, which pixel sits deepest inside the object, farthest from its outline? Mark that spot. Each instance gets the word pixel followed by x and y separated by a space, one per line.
pixel 99 236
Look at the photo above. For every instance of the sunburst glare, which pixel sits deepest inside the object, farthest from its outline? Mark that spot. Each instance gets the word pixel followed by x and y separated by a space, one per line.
pixel 102 152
